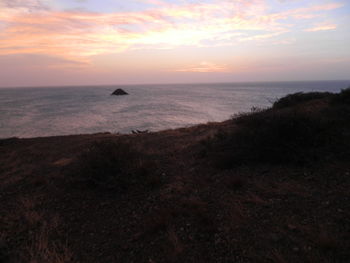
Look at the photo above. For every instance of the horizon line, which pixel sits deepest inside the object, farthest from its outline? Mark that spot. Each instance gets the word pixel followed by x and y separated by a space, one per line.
pixel 172 83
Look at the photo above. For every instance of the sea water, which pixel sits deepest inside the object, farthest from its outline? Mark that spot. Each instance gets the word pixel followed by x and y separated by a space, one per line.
pixel 49 111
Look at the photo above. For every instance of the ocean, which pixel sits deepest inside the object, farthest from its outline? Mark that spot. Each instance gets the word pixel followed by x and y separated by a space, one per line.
pixel 50 111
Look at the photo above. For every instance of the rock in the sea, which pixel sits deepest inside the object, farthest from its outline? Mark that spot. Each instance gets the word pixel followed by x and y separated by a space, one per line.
pixel 119 92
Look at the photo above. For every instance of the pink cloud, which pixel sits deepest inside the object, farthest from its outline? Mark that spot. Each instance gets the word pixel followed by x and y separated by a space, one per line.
pixel 322 27
pixel 30 27
pixel 263 36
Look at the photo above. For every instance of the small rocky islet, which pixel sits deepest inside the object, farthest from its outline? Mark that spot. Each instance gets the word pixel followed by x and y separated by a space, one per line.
pixel 119 92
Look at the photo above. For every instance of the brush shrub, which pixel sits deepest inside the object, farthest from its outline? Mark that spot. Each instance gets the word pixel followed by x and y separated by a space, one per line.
pixel 299 97
pixel 342 98
pixel 116 165
pixel 272 137
pixel 285 135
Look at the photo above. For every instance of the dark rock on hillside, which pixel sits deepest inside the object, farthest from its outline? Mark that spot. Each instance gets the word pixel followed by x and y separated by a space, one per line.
pixel 119 92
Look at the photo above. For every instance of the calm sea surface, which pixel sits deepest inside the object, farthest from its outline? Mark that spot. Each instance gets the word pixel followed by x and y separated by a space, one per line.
pixel 33 112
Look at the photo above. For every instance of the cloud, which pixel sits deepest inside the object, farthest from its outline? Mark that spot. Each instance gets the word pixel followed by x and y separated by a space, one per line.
pixel 263 36
pixel 205 67
pixel 25 5
pixel 322 27
pixel 33 27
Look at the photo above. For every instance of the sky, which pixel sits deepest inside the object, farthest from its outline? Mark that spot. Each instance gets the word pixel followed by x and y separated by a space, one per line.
pixel 106 42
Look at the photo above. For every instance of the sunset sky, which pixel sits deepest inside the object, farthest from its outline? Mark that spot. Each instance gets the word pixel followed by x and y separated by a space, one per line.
pixel 89 42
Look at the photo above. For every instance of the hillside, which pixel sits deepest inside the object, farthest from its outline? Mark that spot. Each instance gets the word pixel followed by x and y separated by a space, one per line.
pixel 271 185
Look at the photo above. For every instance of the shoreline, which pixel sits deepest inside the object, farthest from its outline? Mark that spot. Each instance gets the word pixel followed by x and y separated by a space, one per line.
pixel 55 112
pixel 116 133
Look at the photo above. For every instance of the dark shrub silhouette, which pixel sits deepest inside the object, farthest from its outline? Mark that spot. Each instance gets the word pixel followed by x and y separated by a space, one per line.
pixel 343 97
pixel 282 135
pixel 271 137
pixel 297 98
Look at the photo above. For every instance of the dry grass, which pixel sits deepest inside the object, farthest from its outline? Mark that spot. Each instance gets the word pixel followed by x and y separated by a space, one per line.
pixel 236 213
pixel 277 257
pixel 157 221
pixel 255 199
pixel 38 236
pixel 42 249
pixel 290 187
pixel 116 166
pixel 177 246
pixel 42 245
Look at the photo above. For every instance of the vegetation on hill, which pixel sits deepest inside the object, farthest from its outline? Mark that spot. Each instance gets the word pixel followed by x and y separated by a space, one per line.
pixel 298 129
pixel 116 166
pixel 299 97
pixel 271 185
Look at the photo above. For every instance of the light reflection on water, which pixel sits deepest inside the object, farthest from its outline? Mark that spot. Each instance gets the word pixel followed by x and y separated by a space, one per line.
pixel 32 112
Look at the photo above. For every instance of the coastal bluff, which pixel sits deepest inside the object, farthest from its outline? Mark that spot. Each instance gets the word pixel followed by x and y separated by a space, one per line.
pixel 270 185
pixel 119 92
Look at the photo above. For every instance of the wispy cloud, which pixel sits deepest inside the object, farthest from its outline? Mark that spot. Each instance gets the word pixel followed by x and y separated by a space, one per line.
pixel 25 4
pixel 322 27
pixel 205 67
pixel 263 36
pixel 33 27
